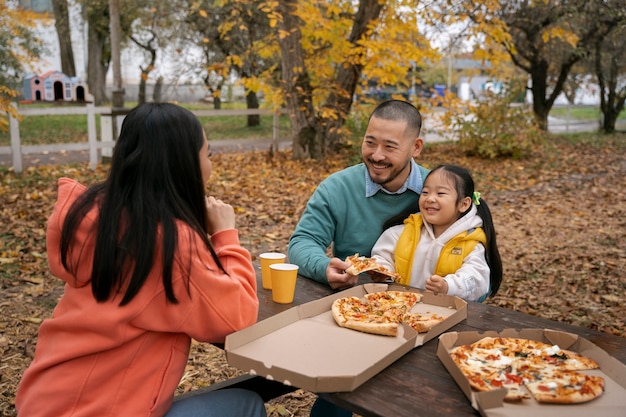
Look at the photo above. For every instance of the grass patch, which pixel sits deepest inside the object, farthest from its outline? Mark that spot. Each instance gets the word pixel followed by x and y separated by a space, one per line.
pixel 580 113
pixel 43 130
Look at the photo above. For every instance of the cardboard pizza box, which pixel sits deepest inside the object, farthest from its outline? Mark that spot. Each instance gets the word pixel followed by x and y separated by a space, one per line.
pixel 612 403
pixel 305 348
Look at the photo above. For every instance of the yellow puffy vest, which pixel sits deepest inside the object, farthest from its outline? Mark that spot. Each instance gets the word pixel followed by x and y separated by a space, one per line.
pixel 450 258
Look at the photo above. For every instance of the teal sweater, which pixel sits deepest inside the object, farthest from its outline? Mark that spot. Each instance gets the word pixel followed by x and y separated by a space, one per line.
pixel 339 213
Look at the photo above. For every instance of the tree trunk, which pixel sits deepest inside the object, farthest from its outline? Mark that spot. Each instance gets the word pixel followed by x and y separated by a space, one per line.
pixel 539 80
pixel 252 102
pixel 158 90
pixel 607 67
pixel 340 99
pixel 296 85
pixel 217 103
pixel 141 96
pixel 608 122
pixel 62 25
pixel 115 41
pixel 145 70
pixel 97 66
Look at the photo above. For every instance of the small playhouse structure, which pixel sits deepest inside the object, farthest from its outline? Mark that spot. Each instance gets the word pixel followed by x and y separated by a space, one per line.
pixel 54 86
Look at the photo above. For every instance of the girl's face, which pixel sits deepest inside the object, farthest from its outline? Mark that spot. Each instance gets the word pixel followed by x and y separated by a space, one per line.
pixel 438 202
pixel 205 160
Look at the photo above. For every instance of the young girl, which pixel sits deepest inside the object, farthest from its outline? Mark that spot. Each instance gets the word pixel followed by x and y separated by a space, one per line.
pixel 149 262
pixel 450 246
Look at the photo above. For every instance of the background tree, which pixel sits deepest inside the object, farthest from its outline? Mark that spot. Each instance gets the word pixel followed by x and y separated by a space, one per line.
pixel 329 51
pixel 203 20
pixel 155 26
pixel 96 13
pixel 544 38
pixel 19 50
pixel 241 36
pixel 228 32
pixel 62 25
pixel 610 70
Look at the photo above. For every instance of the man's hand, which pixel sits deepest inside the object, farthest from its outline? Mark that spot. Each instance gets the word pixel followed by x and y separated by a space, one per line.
pixel 337 276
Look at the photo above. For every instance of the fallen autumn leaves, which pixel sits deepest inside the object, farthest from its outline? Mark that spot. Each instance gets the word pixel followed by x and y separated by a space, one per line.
pixel 560 218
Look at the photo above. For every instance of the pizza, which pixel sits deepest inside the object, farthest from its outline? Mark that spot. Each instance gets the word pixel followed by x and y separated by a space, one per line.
pixel 382 313
pixel 528 368
pixel 360 264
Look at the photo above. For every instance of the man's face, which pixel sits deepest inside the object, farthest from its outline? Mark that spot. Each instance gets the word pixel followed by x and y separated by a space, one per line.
pixel 387 151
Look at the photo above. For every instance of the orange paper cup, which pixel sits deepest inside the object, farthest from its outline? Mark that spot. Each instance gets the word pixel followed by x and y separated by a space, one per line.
pixel 283 282
pixel 267 259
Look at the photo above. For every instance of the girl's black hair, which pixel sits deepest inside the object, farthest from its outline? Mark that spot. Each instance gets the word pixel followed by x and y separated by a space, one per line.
pixel 154 180
pixel 464 185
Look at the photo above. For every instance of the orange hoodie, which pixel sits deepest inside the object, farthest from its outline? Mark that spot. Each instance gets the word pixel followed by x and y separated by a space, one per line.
pixel 99 359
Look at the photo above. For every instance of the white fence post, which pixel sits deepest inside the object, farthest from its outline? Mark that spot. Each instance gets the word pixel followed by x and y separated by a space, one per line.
pixel 275 130
pixel 16 147
pixel 91 132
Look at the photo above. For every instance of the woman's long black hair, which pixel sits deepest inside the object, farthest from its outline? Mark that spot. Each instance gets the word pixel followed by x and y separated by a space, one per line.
pixel 154 180
pixel 464 186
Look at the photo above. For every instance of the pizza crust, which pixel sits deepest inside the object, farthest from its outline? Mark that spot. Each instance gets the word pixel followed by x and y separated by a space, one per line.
pixel 383 329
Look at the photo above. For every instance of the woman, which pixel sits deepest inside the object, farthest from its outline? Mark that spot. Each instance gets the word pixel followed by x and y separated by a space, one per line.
pixel 148 262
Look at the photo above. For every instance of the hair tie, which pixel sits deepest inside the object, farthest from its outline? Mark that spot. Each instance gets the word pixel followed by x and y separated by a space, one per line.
pixel 476 198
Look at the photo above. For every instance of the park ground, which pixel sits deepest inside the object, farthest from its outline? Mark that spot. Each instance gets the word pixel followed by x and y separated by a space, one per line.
pixel 560 217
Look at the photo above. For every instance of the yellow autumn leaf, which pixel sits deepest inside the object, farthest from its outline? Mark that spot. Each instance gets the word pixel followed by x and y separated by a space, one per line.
pixel 4 261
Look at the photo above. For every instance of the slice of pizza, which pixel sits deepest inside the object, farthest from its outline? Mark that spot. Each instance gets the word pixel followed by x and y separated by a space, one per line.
pixel 422 323
pixel 565 387
pixel 487 369
pixel 360 264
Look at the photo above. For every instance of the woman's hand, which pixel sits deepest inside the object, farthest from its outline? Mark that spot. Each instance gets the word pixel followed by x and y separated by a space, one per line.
pixel 220 216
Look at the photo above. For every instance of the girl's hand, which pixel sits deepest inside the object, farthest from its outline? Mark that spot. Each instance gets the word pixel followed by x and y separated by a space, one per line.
pixel 437 285
pixel 220 216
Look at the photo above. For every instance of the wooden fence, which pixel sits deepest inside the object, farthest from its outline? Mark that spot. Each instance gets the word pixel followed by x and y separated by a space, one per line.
pixel 107 139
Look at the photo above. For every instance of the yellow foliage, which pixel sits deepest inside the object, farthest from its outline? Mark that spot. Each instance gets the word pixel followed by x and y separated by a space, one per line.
pixel 560 33
pixel 13 20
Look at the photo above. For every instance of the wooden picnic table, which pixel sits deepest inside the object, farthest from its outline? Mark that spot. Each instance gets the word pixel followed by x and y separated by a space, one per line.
pixel 417 384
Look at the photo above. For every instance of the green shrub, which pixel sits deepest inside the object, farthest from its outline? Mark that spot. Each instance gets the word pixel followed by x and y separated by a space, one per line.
pixel 494 128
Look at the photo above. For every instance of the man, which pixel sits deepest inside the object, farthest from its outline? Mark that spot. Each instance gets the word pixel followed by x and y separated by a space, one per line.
pixel 348 208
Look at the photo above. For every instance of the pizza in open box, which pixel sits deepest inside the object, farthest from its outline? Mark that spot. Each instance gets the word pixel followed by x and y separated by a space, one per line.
pixel 548 373
pixel 382 312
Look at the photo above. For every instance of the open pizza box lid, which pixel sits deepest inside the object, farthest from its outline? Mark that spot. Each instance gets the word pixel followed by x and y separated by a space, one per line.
pixel 612 403
pixel 304 347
